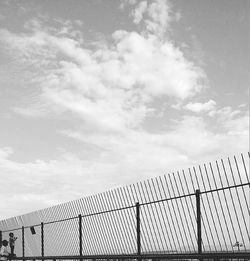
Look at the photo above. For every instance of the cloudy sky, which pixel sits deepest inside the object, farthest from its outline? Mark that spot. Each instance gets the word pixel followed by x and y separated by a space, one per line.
pixel 103 93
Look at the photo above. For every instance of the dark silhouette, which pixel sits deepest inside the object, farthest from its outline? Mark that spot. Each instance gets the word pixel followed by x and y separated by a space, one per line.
pixel 3 251
pixel 12 240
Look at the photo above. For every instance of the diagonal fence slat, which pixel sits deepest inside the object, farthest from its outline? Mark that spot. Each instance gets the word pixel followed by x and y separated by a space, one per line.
pixel 107 223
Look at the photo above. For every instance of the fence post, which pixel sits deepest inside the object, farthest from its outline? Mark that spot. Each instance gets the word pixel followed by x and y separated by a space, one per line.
pixel 23 247
pixel 42 239
pixel 198 213
pixel 138 229
pixel 80 234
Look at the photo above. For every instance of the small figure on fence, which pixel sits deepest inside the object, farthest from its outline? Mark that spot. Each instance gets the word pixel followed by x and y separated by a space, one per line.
pixel 4 251
pixel 12 240
pixel 238 245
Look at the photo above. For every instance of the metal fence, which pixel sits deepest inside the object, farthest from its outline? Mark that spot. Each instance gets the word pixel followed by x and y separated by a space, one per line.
pixel 199 211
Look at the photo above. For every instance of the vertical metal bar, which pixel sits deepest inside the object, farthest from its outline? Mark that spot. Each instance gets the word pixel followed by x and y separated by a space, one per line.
pixel 79 207
pixel 138 229
pixel 173 247
pixel 144 228
pixel 42 239
pixel 89 228
pixel 23 246
pixel 226 202
pixel 190 199
pixel 216 210
pixel 175 215
pixel 171 217
pixel 98 239
pixel 205 214
pixel 179 214
pixel 1 237
pixel 117 222
pixel 111 225
pixel 73 226
pixel 147 219
pixel 243 161
pixel 80 234
pixel 198 213
pixel 75 246
pixel 124 230
pixel 222 210
pixel 130 197
pixel 153 215
pixel 243 189
pixel 238 197
pixel 182 205
pixel 130 224
pixel 209 210
pixel 158 215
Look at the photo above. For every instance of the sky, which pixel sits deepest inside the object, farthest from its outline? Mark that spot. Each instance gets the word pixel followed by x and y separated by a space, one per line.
pixel 100 94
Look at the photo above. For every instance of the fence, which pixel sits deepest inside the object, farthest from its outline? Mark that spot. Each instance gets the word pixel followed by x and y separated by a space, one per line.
pixel 201 211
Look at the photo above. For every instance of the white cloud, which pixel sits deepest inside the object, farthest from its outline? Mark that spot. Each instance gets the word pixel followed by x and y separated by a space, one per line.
pixel 110 89
pixel 38 184
pixel 159 13
pixel 201 107
pixel 121 158
pixel 139 11
pixel 233 121
pixel 225 113
pixel 5 152
pixel 188 141
pixel 125 3
pixel 157 16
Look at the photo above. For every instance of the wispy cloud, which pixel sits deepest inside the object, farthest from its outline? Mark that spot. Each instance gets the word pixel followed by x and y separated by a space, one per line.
pixel 201 107
pixel 111 88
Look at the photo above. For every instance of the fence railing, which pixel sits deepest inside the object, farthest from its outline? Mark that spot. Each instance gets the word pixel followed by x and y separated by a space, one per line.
pixel 199 212
pixel 224 256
